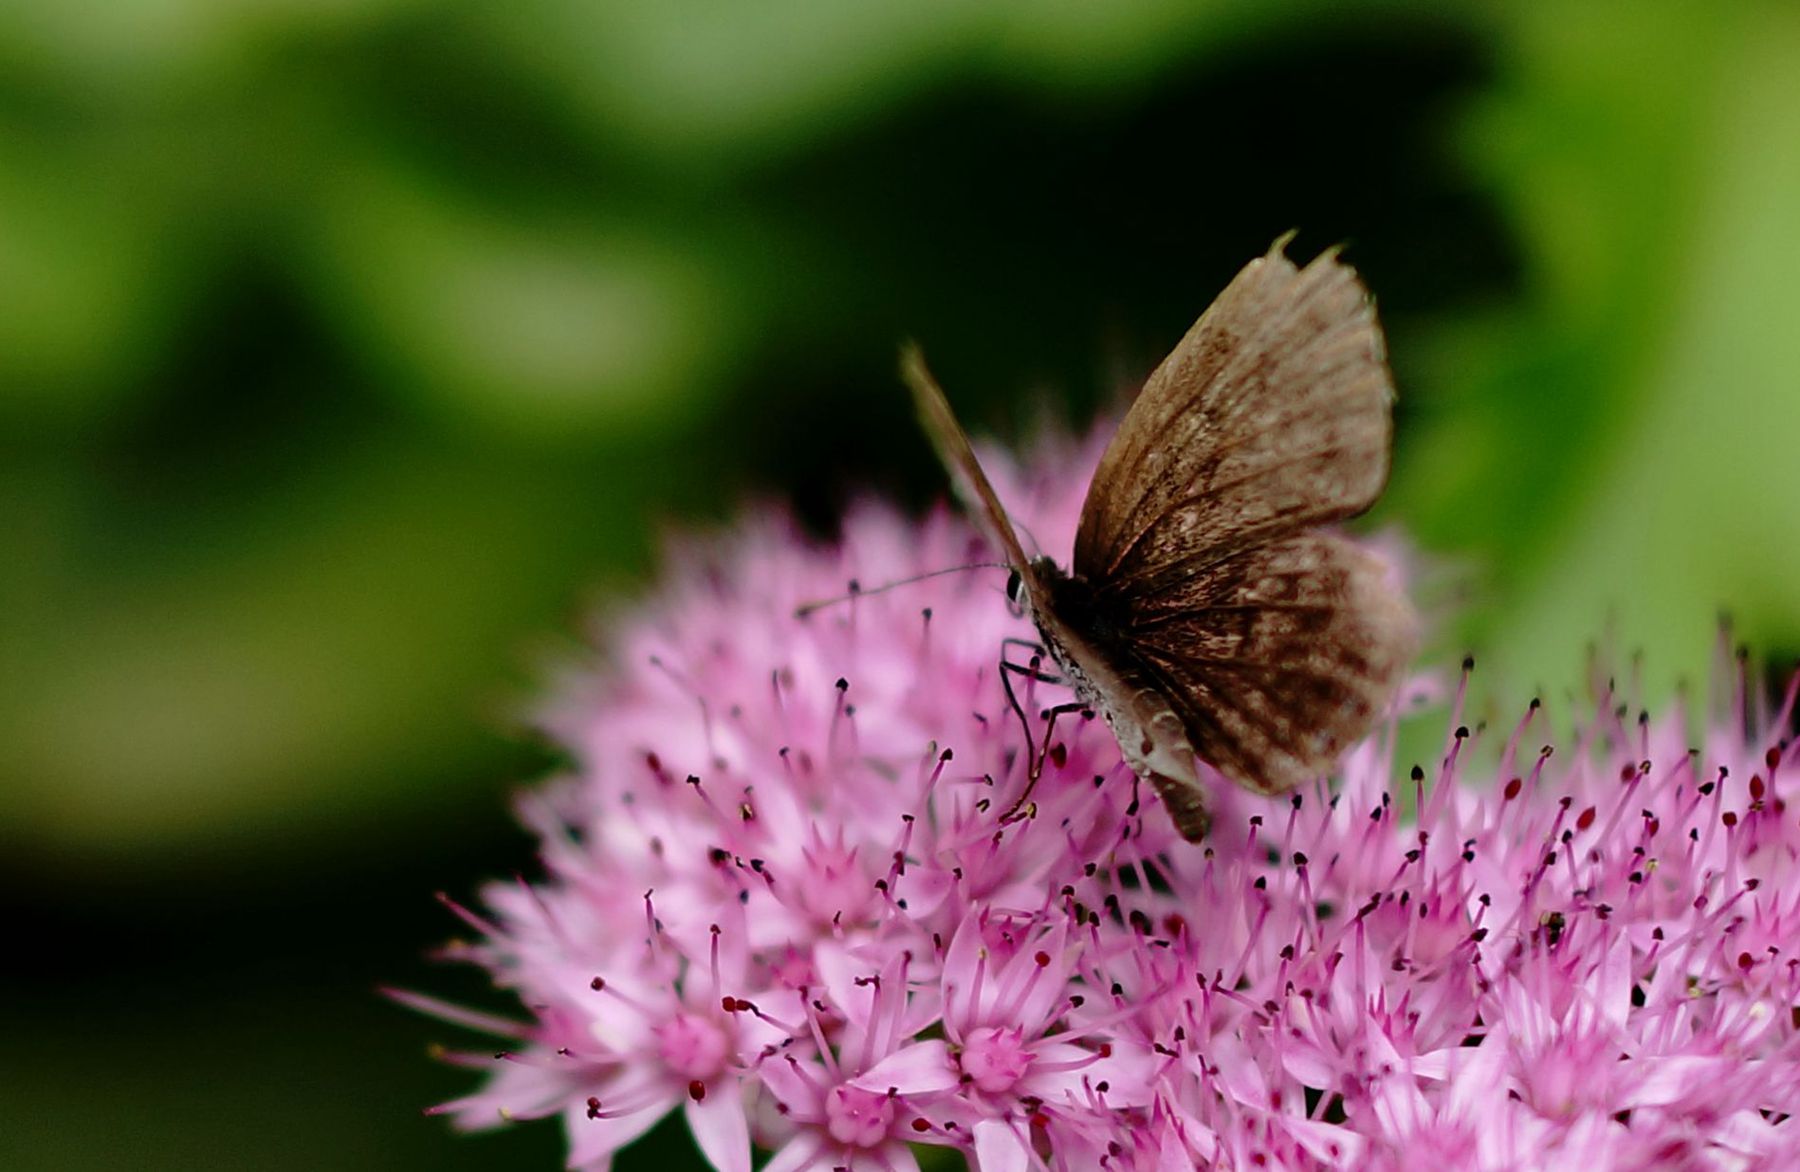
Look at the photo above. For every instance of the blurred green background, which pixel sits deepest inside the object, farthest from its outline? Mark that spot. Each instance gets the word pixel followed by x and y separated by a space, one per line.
pixel 350 350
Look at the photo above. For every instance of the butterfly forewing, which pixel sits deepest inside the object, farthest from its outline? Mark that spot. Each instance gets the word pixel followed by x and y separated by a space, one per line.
pixel 953 448
pixel 1271 416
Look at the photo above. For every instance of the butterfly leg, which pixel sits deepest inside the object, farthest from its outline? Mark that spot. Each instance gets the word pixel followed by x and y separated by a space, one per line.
pixel 1023 807
pixel 1034 649
pixel 1034 757
pixel 1031 672
pixel 1035 671
pixel 1049 716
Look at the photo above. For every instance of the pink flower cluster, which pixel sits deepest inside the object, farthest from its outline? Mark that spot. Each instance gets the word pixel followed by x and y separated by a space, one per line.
pixel 781 894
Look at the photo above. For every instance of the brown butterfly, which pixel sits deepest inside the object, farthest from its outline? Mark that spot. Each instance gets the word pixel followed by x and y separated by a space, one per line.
pixel 1206 615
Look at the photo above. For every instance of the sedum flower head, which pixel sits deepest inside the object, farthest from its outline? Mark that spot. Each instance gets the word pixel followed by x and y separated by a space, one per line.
pixel 782 894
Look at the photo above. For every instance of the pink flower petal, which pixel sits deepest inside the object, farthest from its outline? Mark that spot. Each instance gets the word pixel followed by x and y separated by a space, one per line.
pixel 998 1148
pixel 1041 971
pixel 720 1127
pixel 921 1068
pixel 1334 1145
pixel 797 1154
pixel 592 1139
pixel 795 1084
pixel 964 966
pixel 1061 1072
pixel 892 1158
pixel 840 970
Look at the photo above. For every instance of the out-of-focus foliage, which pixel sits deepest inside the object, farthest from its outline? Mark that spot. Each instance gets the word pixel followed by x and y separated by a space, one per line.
pixel 1615 448
pixel 348 348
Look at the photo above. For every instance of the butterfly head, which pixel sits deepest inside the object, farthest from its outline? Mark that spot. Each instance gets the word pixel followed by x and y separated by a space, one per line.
pixel 1042 574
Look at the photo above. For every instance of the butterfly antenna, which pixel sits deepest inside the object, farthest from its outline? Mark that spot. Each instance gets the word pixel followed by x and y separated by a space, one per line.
pixel 1029 535
pixel 857 590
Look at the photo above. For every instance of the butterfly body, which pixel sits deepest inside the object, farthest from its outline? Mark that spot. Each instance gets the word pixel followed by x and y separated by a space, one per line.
pixel 1087 646
pixel 1207 613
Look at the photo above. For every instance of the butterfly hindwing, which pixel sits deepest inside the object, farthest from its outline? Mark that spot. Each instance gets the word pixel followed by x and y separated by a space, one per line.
pixel 1274 659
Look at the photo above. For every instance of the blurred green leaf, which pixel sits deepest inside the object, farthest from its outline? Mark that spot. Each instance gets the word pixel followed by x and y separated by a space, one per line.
pixel 88 286
pixel 548 325
pixel 1690 507
pixel 363 617
pixel 1615 455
